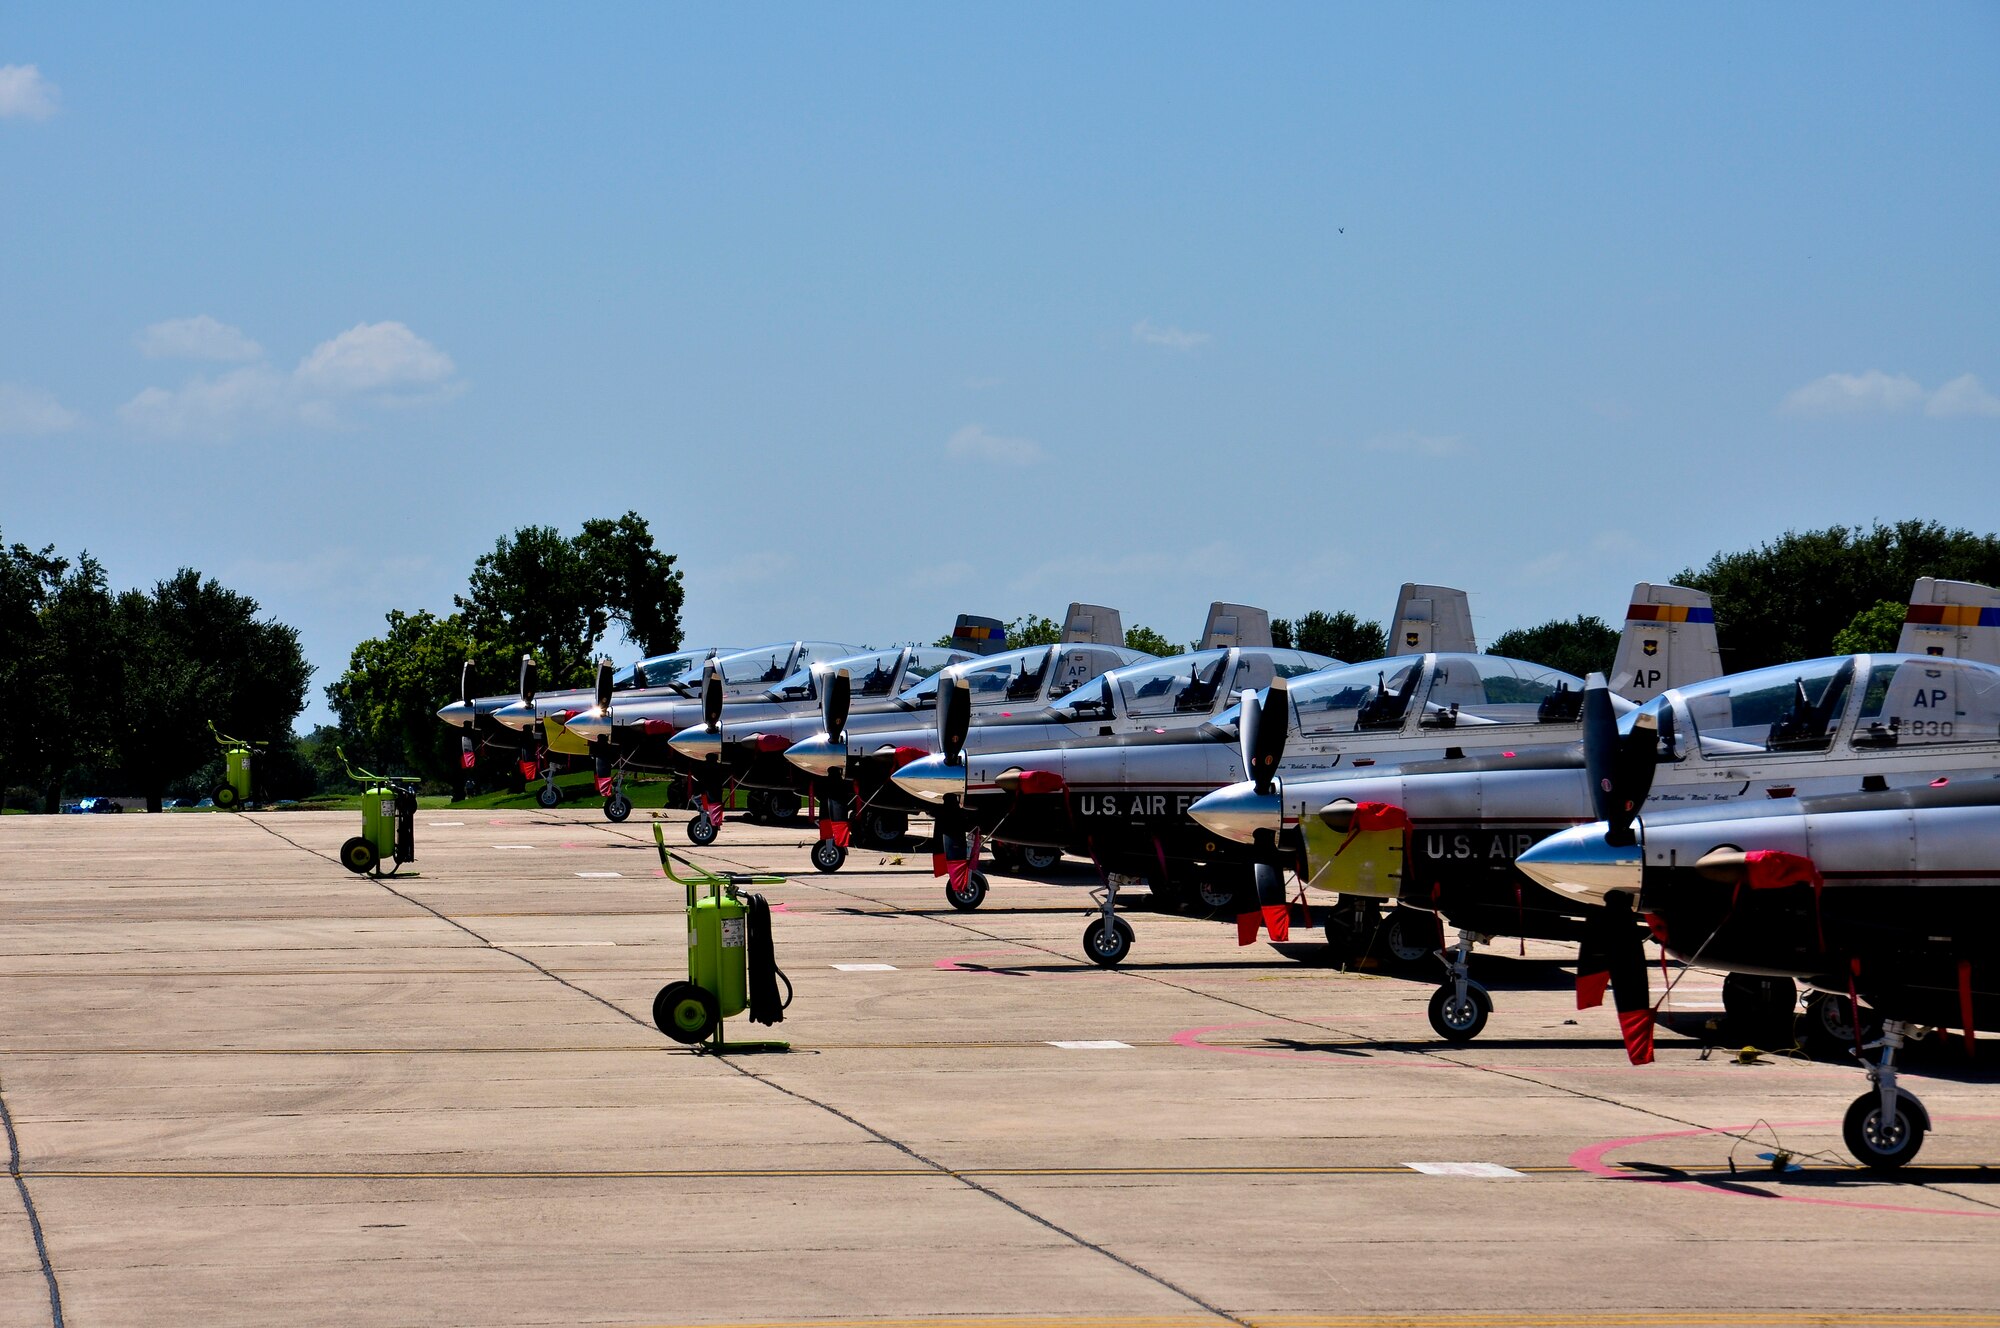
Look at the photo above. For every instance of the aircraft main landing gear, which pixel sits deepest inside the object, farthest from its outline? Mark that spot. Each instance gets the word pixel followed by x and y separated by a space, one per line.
pixel 1459 1008
pixel 1886 1125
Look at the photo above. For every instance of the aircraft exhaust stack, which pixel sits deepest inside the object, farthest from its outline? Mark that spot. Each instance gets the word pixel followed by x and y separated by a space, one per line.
pixel 1431 618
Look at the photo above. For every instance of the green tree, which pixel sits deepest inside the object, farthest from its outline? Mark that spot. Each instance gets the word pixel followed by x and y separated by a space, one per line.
pixel 193 652
pixel 1582 645
pixel 1145 639
pixel 1876 628
pixel 1341 635
pixel 1788 599
pixel 638 585
pixel 1032 629
pixel 388 697
pixel 59 671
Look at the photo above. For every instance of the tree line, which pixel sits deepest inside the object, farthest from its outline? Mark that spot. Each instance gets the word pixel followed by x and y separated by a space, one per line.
pixel 115 690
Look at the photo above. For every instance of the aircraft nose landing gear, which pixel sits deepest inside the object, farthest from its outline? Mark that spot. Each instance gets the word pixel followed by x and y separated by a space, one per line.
pixel 1459 1008
pixel 1886 1125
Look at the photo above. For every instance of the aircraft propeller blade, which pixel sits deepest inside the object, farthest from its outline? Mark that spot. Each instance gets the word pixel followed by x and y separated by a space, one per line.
pixel 1261 733
pixel 1620 766
pixel 528 678
pixel 1613 953
pixel 837 691
pixel 1267 907
pixel 465 683
pixel 604 672
pixel 711 696
pixel 954 718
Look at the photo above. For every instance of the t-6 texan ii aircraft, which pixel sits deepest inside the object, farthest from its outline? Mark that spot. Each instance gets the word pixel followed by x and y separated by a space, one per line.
pixel 1126 805
pixel 1885 896
pixel 514 722
pixel 1442 838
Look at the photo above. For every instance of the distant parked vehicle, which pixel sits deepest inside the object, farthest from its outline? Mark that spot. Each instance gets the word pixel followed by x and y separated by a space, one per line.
pixel 101 805
pixel 71 808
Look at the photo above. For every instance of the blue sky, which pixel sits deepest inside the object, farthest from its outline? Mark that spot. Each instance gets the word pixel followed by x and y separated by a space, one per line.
pixel 883 313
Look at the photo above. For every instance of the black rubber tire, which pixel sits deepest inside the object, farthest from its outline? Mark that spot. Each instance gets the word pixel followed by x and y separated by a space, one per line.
pixel 1215 897
pixel 1036 858
pixel 225 797
pixel 1865 1141
pixel 885 829
pixel 969 898
pixel 828 856
pixel 1826 1028
pixel 1455 1022
pixel 358 856
pixel 783 808
pixel 686 1013
pixel 1107 946
pixel 1409 937
pixel 549 796
pixel 701 831
pixel 617 808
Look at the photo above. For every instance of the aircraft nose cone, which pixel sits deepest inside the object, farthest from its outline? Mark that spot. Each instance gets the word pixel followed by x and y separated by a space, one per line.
pixel 1238 812
pixel 590 725
pixel 1581 863
pixel 519 715
pixel 930 778
pixel 817 755
pixel 698 742
pixel 458 714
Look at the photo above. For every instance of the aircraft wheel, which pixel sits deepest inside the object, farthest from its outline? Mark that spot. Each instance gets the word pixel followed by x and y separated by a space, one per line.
pixel 1881 1147
pixel 617 808
pixel 1410 937
pixel 1216 895
pixel 225 797
pixel 1107 946
pixel 1006 859
pixel 1460 1020
pixel 685 1012
pixel 783 806
pixel 1038 858
pixel 971 896
pixel 702 831
pixel 828 856
pixel 1827 1027
pixel 885 829
pixel 757 805
pixel 358 856
pixel 549 796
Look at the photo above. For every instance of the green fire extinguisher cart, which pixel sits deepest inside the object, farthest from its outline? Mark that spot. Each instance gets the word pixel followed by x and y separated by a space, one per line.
pixel 388 822
pixel 731 966
pixel 239 770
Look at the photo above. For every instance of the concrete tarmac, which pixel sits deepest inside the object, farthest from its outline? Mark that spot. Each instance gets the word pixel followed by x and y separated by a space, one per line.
pixel 246 1087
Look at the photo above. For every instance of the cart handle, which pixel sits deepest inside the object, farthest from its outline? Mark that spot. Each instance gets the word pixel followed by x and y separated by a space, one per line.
pixel 363 777
pixel 224 740
pixel 700 875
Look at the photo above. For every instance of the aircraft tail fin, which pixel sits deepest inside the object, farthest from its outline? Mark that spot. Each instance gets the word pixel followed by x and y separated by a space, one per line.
pixel 1235 625
pixel 1956 619
pixel 980 636
pixel 1094 624
pixel 1669 641
pixel 1431 618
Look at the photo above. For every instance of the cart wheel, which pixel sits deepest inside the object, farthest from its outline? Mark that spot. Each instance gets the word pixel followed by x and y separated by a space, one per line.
pixel 617 808
pixel 702 831
pixel 972 896
pixel 828 856
pixel 1456 1020
pixel 1039 859
pixel 685 1012
pixel 225 797
pixel 359 856
pixel 549 796
pixel 1107 946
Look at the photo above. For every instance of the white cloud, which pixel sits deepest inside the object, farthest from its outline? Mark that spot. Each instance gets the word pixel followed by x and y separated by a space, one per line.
pixel 1855 394
pixel 28 410
pixel 371 357
pixel 25 94
pixel 1417 444
pixel 1963 395
pixel 1147 333
pixel 197 338
pixel 369 365
pixel 973 443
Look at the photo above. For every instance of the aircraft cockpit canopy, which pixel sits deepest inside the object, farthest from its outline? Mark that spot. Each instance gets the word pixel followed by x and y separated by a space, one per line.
pixel 1358 697
pixel 1193 684
pixel 773 663
pixel 683 666
pixel 1898 700
pixel 1024 676
pixel 875 674
pixel 1480 690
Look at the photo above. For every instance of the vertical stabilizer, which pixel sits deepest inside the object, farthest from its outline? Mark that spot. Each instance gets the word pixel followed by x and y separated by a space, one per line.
pixel 1669 642
pixel 1235 625
pixel 1956 619
pixel 979 636
pixel 1431 618
pixel 1095 624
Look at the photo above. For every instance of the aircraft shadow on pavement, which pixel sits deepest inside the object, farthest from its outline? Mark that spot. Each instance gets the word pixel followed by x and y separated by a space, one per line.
pixel 1760 1181
pixel 1085 966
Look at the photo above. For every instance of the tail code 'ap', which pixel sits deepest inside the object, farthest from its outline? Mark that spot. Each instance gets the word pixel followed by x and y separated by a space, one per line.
pixel 1669 642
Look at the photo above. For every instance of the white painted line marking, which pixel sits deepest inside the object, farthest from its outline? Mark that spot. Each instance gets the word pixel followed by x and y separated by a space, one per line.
pixel 1485 1170
pixel 598 876
pixel 1093 1044
pixel 513 846
pixel 866 968
pixel 543 945
pixel 439 825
